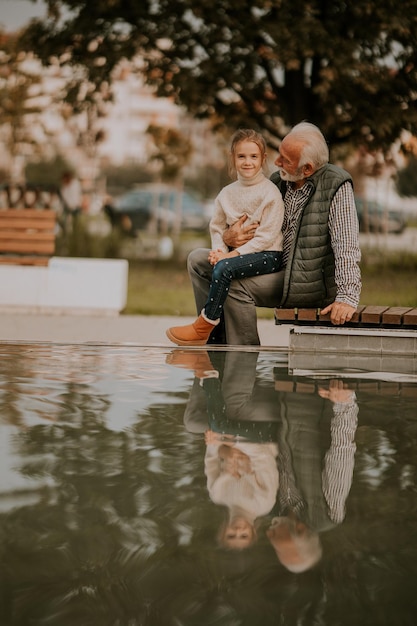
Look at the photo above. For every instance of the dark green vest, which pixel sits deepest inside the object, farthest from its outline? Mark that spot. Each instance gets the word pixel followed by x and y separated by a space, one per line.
pixel 309 276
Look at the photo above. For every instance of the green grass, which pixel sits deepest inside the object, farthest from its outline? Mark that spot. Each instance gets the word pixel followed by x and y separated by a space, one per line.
pixel 159 288
pixel 391 280
pixel 163 287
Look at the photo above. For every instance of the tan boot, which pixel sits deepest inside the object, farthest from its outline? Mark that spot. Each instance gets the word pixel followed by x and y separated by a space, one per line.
pixel 195 334
pixel 196 360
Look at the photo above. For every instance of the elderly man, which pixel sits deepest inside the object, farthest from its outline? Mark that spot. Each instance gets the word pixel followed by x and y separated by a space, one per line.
pixel 321 246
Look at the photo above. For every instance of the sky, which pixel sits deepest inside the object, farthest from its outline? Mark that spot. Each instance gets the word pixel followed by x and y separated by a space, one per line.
pixel 16 13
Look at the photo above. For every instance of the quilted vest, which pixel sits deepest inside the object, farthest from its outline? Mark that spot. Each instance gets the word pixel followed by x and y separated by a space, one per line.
pixel 309 276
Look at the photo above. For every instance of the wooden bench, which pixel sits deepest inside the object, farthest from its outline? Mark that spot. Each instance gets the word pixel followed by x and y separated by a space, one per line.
pixel 27 236
pixel 365 317
pixel 387 388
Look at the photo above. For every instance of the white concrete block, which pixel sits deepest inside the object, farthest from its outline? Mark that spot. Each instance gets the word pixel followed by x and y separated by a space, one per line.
pixel 78 285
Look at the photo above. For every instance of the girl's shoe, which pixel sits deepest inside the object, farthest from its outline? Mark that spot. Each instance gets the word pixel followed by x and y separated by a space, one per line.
pixel 195 334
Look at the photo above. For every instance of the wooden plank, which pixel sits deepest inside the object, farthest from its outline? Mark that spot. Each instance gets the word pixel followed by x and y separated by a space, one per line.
pixel 302 387
pixel 357 315
pixel 24 260
pixel 324 318
pixel 372 314
pixel 394 315
pixel 26 213
pixel 284 385
pixel 31 223
pixel 410 318
pixel 28 247
pixel 285 315
pixel 19 236
pixel 308 315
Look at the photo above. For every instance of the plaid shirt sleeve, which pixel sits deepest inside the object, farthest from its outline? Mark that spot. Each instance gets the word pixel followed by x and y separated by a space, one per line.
pixel 344 235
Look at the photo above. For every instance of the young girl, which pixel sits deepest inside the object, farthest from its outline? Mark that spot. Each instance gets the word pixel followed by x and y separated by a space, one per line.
pixel 256 196
pixel 243 477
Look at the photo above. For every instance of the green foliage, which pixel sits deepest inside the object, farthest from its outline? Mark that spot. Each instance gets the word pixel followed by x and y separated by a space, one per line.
pixel 46 172
pixel 123 177
pixel 349 67
pixel 207 181
pixel 406 182
pixel 80 241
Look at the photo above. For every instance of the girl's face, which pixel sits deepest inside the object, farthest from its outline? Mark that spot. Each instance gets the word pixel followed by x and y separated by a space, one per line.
pixel 248 159
pixel 238 534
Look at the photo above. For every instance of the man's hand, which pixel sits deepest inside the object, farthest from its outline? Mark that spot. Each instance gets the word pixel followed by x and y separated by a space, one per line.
pixel 338 391
pixel 340 312
pixel 238 234
pixel 235 462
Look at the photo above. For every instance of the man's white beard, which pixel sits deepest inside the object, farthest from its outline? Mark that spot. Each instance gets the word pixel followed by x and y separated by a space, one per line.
pixel 291 178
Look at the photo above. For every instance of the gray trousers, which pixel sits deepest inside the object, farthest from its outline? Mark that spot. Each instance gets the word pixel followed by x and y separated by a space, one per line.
pixel 244 296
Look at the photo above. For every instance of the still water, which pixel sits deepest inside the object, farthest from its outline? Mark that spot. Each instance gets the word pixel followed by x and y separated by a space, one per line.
pixel 156 487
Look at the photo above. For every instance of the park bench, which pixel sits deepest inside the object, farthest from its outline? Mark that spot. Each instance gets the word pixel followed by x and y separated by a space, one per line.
pixel 28 221
pixel 305 385
pixel 364 317
pixel 33 279
pixel 27 236
pixel 383 338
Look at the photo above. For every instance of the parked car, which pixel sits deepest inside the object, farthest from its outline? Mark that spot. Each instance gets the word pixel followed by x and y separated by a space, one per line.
pixel 374 217
pixel 158 207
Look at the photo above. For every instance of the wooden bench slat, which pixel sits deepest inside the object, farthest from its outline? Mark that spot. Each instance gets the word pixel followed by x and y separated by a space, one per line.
pixel 394 315
pixel 284 315
pixel 310 315
pixel 24 260
pixel 32 223
pixel 357 314
pixel 410 318
pixel 28 247
pixel 372 314
pixel 6 236
pixel 27 236
pixel 25 214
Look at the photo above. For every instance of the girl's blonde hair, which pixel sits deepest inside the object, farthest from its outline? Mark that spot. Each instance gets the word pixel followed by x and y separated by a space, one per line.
pixel 245 134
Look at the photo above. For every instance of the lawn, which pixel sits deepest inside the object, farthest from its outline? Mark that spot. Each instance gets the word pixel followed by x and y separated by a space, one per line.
pixel 163 287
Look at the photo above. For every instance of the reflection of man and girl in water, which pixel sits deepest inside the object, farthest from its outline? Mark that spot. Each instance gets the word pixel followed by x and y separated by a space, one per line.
pixel 269 453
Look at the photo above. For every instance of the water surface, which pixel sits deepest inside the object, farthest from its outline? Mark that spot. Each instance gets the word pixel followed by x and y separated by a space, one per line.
pixel 121 473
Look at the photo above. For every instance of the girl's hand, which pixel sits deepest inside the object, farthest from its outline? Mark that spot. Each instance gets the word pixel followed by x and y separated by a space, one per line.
pixel 215 256
pixel 210 436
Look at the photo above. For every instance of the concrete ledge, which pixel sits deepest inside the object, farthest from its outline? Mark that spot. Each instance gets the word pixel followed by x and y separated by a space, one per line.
pixel 342 348
pixel 76 285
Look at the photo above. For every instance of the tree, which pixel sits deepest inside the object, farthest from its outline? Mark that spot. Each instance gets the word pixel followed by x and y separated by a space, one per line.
pixel 406 182
pixel 348 66
pixel 19 105
pixel 172 151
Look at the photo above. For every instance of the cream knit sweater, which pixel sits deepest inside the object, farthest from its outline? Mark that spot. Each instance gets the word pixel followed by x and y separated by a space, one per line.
pixel 254 492
pixel 261 200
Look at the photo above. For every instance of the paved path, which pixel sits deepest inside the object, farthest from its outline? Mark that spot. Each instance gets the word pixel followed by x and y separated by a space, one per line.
pixel 135 329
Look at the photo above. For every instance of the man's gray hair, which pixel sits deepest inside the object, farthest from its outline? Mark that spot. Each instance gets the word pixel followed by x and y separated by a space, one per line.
pixel 315 149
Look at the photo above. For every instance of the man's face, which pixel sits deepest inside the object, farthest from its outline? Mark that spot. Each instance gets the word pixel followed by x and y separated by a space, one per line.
pixel 288 159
